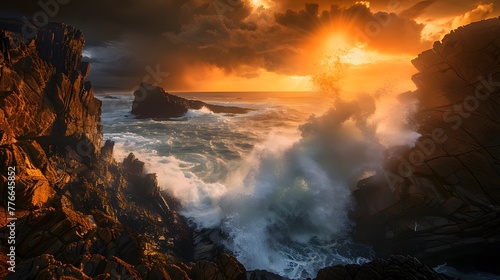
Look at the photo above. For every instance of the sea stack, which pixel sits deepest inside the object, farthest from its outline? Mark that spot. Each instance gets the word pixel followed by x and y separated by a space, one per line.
pixel 153 102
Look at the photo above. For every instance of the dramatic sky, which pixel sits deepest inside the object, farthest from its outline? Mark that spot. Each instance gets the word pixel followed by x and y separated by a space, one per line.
pixel 247 45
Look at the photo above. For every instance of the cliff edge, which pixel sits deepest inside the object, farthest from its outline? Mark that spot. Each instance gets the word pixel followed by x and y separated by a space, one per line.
pixel 68 209
pixel 440 200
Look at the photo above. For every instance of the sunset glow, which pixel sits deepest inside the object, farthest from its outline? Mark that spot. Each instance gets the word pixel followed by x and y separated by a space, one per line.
pixel 266 45
pixel 259 3
pixel 250 139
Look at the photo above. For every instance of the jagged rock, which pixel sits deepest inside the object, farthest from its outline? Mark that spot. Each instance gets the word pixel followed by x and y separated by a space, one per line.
pixel 86 218
pixel 133 166
pixel 150 185
pixel 35 177
pixel 107 151
pixel 231 267
pixel 263 275
pixel 42 97
pixel 54 230
pixel 176 272
pixel 46 267
pixel 42 91
pixel 205 270
pixel 154 273
pixel 395 267
pixel 434 199
pixel 143 184
pixel 153 102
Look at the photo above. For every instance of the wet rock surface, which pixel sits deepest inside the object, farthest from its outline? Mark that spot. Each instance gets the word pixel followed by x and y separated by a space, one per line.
pixel 153 102
pixel 440 200
pixel 395 267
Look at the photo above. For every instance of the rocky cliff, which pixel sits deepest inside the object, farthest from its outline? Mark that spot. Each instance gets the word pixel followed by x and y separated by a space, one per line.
pixel 79 213
pixel 44 102
pixel 440 200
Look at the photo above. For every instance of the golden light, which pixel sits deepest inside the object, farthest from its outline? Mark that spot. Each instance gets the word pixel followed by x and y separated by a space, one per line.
pixel 337 45
pixel 364 3
pixel 356 56
pixel 259 3
pixel 335 42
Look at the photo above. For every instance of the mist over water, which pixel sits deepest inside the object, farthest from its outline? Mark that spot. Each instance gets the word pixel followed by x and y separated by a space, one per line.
pixel 276 181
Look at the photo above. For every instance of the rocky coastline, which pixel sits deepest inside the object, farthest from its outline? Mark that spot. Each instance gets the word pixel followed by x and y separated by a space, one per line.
pixel 82 215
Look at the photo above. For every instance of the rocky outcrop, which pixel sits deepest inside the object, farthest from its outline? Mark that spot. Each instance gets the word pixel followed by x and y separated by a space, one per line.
pixel 153 102
pixel 79 213
pixel 36 179
pixel 45 103
pixel 43 93
pixel 395 267
pixel 440 200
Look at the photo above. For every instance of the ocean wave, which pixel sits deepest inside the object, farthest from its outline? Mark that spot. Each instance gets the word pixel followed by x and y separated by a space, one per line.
pixel 280 195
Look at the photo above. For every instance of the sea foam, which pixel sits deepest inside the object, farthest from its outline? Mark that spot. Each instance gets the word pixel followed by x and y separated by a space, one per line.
pixel 280 195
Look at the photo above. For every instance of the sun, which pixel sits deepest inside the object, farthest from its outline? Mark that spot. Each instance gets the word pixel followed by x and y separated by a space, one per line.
pixel 259 3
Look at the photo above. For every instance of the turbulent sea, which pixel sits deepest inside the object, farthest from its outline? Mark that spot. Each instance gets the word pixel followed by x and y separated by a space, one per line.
pixel 250 175
pixel 276 181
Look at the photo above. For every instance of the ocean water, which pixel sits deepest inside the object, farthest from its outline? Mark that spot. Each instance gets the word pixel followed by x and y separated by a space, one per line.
pixel 276 181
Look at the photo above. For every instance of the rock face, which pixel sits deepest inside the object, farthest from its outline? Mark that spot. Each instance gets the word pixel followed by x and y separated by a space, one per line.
pixel 153 102
pixel 79 213
pixel 43 92
pixel 44 102
pixel 440 200
pixel 395 267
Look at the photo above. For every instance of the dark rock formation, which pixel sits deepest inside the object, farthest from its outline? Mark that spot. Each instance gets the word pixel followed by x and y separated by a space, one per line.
pixel 440 200
pixel 42 88
pixel 44 102
pixel 153 102
pixel 79 213
pixel 395 267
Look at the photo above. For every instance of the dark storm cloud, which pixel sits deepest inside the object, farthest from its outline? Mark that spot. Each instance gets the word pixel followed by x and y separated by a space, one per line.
pixel 417 9
pixel 387 32
pixel 125 38
pixel 304 19
pixel 108 20
pixel 274 43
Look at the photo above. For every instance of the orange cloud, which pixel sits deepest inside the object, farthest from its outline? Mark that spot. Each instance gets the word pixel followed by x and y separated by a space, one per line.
pixel 435 29
pixel 479 13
